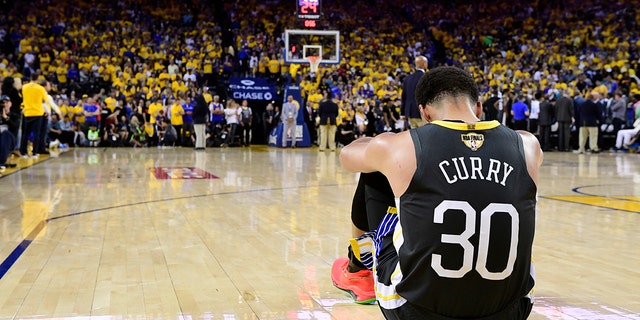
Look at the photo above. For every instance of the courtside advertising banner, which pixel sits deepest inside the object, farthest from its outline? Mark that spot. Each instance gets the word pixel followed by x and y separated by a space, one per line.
pixel 252 89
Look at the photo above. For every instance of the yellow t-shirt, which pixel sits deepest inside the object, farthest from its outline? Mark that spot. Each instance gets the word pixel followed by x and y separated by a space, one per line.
pixel 51 69
pixel 293 70
pixel 284 68
pixel 192 64
pixel 164 76
pixel 262 66
pixel 182 89
pixel 78 111
pixel 174 86
pixel 111 103
pixel 274 66
pixel 66 110
pixel 154 111
pixel 118 83
pixel 208 66
pixel 345 114
pixel 34 95
pixel 157 66
pixel 176 114
pixel 45 60
pixel 130 92
pixel 148 129
pixel 315 98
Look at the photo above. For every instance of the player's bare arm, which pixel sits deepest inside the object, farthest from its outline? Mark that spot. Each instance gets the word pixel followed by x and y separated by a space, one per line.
pixel 533 154
pixel 383 153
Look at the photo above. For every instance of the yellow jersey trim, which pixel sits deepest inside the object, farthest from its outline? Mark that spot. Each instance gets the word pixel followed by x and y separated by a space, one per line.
pixel 462 126
pixel 390 297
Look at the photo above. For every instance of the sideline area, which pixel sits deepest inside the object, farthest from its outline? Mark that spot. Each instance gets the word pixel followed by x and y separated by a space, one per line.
pixel 23 163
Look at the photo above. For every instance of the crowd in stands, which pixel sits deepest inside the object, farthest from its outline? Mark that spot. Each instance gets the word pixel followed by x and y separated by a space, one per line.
pixel 134 60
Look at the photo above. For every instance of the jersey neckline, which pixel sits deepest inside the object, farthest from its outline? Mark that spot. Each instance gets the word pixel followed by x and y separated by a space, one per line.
pixel 463 126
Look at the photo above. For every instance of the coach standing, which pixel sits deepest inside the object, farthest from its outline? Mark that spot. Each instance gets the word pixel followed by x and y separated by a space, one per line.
pixel 411 111
pixel 34 96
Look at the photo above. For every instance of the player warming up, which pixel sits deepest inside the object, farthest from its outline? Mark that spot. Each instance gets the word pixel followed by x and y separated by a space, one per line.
pixel 459 244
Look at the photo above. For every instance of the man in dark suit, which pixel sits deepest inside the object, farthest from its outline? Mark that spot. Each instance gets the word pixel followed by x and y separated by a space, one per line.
pixel 411 111
pixel 545 119
pixel 200 118
pixel 328 112
pixel 564 116
pixel 492 105
pixel 590 120
pixel 310 119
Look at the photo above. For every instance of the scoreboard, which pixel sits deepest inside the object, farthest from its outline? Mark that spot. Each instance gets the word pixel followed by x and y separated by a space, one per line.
pixel 309 11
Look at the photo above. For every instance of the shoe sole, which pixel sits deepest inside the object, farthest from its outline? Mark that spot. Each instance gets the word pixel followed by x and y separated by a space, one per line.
pixel 354 297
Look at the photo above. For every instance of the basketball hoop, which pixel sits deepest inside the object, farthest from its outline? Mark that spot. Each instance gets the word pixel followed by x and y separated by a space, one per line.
pixel 314 62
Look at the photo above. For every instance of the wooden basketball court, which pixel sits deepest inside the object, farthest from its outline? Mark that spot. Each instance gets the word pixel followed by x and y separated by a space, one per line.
pixel 250 233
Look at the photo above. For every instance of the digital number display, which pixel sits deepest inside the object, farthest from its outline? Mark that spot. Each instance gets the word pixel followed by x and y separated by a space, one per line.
pixel 308 10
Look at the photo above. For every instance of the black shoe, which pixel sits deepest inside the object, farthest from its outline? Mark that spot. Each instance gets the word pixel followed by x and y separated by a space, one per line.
pixel 8 165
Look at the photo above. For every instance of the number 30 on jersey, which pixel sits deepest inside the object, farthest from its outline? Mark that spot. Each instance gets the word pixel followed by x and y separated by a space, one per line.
pixel 483 242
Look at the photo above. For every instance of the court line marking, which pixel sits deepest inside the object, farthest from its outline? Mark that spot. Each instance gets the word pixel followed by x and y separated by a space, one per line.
pixel 10 171
pixel 625 198
pixel 8 262
pixel 630 206
pixel 25 243
pixel 620 203
pixel 19 250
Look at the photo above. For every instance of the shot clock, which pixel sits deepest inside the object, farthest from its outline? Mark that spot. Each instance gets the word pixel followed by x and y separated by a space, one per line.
pixel 309 11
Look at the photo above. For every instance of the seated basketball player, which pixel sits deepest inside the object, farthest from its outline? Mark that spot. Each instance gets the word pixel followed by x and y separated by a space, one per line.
pixel 459 245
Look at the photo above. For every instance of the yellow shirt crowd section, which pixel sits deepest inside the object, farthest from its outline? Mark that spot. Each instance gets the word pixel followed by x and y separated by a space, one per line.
pixel 500 44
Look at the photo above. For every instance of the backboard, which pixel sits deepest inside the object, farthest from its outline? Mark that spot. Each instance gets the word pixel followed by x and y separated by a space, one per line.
pixel 302 43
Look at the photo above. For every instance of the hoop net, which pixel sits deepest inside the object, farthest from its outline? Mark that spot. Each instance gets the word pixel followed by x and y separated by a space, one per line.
pixel 314 62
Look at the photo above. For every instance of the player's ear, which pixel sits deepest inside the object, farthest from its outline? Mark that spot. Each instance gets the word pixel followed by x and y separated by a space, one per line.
pixel 424 113
pixel 478 110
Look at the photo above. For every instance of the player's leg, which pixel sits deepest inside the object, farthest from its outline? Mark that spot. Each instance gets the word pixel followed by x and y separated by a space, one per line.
pixel 370 204
pixel 350 274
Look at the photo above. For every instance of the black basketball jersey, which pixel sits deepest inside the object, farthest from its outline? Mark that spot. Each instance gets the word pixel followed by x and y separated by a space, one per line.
pixel 466 220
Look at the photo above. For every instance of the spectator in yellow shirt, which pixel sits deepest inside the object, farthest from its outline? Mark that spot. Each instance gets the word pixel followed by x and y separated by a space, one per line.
pixel 315 98
pixel 262 66
pixel 78 112
pixel 34 96
pixel 65 109
pixel 110 101
pixel 176 119
pixel 154 110
pixel 274 67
